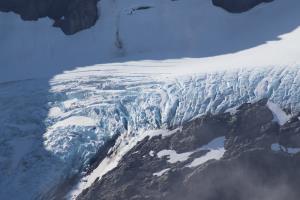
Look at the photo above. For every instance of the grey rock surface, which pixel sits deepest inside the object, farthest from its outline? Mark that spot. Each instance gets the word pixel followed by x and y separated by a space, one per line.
pixel 73 16
pixel 69 15
pixel 238 6
pixel 249 169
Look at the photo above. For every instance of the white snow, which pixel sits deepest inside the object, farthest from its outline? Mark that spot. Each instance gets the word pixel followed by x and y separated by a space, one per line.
pixel 232 110
pixel 216 152
pixel 173 157
pixel 169 30
pixel 70 103
pixel 74 121
pixel 279 115
pixel 55 112
pixel 162 172
pixel 293 150
pixel 151 153
pixel 164 133
pixel 215 147
pixel 276 147
pixel 217 143
pixel 290 150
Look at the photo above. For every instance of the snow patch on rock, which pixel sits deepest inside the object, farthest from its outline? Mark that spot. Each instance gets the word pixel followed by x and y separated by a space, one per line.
pixel 162 172
pixel 215 154
pixel 279 148
pixel 279 115
pixel 173 156
pixel 216 151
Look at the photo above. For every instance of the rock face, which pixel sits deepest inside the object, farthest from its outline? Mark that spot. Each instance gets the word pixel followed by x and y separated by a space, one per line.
pixel 73 16
pixel 238 6
pixel 225 156
pixel 70 15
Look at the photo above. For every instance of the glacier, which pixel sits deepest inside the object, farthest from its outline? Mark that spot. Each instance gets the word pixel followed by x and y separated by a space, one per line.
pixel 47 140
pixel 53 122
pixel 116 100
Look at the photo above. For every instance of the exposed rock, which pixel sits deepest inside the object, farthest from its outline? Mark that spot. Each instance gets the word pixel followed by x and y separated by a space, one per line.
pixel 76 15
pixel 238 6
pixel 248 170
pixel 70 15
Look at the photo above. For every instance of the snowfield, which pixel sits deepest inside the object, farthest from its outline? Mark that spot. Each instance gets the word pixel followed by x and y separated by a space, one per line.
pixel 51 127
pixel 167 30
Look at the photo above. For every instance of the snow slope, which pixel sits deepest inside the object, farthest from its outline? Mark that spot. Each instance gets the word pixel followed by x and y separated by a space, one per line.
pixel 26 168
pixel 168 30
pixel 50 129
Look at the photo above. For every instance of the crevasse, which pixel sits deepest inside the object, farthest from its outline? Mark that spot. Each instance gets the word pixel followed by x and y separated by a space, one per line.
pixel 136 100
pixel 47 135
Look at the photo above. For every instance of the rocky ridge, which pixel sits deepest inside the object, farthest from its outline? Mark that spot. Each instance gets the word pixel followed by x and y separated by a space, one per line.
pixel 73 16
pixel 69 15
pixel 243 155
pixel 238 6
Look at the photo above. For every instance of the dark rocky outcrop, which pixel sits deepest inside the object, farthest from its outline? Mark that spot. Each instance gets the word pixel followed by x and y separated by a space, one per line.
pixel 238 6
pixel 70 15
pixel 73 16
pixel 249 170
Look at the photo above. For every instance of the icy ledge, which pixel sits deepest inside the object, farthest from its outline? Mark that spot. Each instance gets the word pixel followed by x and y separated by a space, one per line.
pixel 87 106
pixel 113 100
